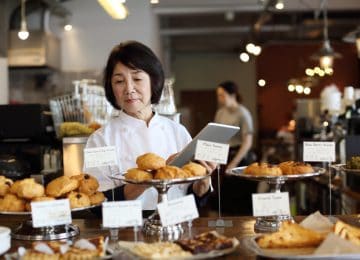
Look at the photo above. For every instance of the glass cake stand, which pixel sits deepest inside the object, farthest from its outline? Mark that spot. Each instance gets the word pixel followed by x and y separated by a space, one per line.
pixel 272 223
pixel 26 231
pixel 152 225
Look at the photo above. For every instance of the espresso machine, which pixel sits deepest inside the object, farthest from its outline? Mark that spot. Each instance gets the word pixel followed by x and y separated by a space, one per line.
pixel 28 144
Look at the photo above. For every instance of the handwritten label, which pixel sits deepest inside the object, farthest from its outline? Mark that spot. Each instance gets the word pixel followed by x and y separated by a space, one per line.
pixel 122 213
pixel 319 152
pixel 211 152
pixel 100 156
pixel 270 204
pixel 178 210
pixel 50 213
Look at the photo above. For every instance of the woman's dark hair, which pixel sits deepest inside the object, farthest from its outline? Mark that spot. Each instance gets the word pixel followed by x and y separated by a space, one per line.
pixel 134 55
pixel 232 89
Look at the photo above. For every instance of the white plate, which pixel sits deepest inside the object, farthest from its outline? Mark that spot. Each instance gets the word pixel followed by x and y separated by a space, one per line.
pixel 292 253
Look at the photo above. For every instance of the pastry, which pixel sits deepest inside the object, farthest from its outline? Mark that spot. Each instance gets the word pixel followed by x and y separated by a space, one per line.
pixel 194 169
pixel 138 175
pixel 347 232
pixel 353 163
pixel 87 183
pixel 5 185
pixel 60 186
pixel 291 167
pixel 43 198
pixel 14 187
pixel 263 169
pixel 78 200
pixel 12 203
pixel 97 198
pixel 150 161
pixel 291 235
pixel 29 189
pixel 170 172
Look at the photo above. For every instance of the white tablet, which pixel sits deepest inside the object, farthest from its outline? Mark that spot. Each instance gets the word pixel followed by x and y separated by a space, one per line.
pixel 212 132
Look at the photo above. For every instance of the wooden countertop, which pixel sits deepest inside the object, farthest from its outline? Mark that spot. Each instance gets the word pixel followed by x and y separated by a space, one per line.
pixel 242 227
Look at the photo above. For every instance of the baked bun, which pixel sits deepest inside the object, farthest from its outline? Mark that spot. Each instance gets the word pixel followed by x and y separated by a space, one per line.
pixel 78 200
pixel 12 203
pixel 14 187
pixel 5 185
pixel 60 186
pixel 170 172
pixel 43 198
pixel 150 161
pixel 138 175
pixel 194 169
pixel 87 183
pixel 97 198
pixel 263 169
pixel 291 167
pixel 29 189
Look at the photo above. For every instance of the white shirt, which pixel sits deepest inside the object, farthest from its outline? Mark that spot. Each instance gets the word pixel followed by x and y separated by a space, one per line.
pixel 132 138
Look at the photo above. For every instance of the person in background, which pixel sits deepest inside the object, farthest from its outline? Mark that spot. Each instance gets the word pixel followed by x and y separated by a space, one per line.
pixel 134 80
pixel 232 112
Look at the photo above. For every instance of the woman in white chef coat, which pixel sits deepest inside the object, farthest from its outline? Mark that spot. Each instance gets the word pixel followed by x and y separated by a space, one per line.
pixel 134 80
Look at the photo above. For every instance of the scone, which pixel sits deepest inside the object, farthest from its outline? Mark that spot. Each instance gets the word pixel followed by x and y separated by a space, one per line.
pixel 150 161
pixel 138 175
pixel 78 200
pixel 29 189
pixel 263 169
pixel 87 183
pixel 170 172
pixel 5 185
pixel 43 198
pixel 60 186
pixel 291 167
pixel 97 198
pixel 14 187
pixel 12 203
pixel 194 169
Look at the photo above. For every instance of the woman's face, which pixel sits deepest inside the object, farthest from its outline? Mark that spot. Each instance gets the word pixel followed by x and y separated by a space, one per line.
pixel 132 89
pixel 223 98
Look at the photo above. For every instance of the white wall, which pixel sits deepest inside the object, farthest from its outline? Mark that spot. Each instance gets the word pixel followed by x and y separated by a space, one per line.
pixel 95 33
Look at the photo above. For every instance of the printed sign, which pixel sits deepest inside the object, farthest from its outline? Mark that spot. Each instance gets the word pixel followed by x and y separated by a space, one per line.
pixel 122 213
pixel 50 213
pixel 270 204
pixel 100 156
pixel 211 152
pixel 319 152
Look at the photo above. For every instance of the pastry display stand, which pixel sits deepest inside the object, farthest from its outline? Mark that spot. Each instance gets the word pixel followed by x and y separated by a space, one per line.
pixel 26 231
pixel 272 223
pixel 152 225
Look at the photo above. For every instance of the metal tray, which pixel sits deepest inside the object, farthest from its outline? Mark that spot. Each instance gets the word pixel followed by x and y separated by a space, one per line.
pixel 238 172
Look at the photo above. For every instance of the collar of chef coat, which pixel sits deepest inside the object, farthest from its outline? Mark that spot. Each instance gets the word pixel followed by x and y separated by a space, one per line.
pixel 135 122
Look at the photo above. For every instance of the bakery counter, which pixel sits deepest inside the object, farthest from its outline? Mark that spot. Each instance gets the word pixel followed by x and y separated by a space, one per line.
pixel 242 228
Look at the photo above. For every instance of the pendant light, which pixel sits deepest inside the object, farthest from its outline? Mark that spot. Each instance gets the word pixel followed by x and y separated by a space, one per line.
pixel 23 34
pixel 326 54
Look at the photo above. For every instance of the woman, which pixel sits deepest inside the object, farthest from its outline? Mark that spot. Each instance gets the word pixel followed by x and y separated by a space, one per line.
pixel 236 193
pixel 134 80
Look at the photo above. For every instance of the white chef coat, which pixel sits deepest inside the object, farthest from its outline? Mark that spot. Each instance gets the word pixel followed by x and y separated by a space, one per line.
pixel 132 138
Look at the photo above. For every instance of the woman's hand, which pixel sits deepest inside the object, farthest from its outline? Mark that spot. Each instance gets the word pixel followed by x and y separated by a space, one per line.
pixel 132 191
pixel 202 186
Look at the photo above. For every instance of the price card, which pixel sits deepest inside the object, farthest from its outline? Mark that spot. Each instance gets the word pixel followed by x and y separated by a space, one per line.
pixel 319 152
pixel 211 152
pixel 100 156
pixel 50 213
pixel 122 213
pixel 178 210
pixel 270 204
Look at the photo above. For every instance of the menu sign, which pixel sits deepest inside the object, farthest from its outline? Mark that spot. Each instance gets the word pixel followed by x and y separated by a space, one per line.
pixel 319 152
pixel 271 204
pixel 178 210
pixel 50 213
pixel 122 213
pixel 211 152
pixel 100 156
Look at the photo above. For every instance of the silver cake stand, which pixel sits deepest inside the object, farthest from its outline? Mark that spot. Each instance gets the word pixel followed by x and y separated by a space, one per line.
pixel 26 231
pixel 152 225
pixel 272 223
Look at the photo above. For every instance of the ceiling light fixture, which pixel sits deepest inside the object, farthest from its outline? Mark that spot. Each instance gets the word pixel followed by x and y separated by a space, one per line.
pixel 154 1
pixel 23 34
pixel 244 57
pixel 67 25
pixel 115 8
pixel 326 54
pixel 279 5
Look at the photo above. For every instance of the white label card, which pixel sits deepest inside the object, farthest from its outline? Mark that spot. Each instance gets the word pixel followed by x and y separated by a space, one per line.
pixel 122 213
pixel 100 156
pixel 211 152
pixel 50 213
pixel 319 152
pixel 178 210
pixel 270 204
